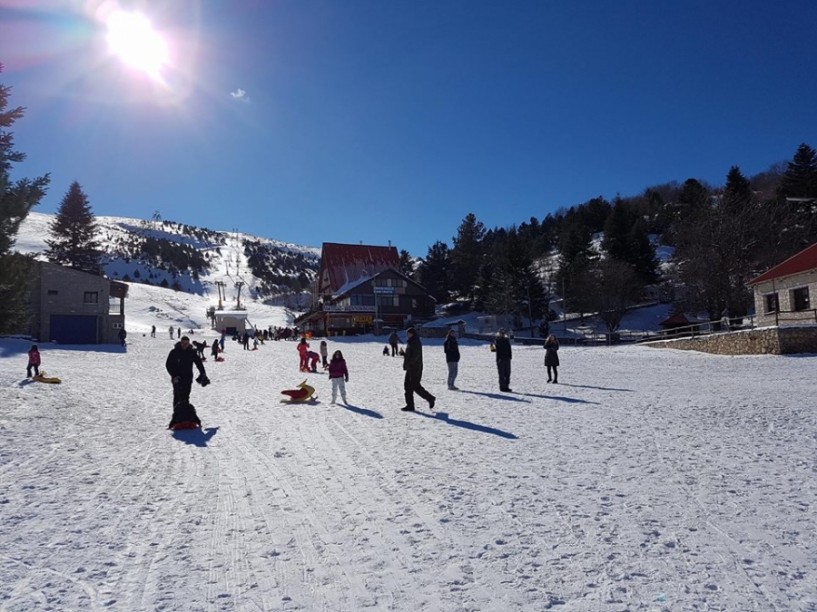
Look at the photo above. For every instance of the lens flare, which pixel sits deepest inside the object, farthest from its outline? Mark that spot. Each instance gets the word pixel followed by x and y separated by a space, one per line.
pixel 132 38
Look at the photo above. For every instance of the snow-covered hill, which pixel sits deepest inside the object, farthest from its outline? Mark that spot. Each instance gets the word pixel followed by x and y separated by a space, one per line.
pixel 192 259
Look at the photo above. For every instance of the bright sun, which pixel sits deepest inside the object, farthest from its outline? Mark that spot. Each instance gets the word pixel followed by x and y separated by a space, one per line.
pixel 135 42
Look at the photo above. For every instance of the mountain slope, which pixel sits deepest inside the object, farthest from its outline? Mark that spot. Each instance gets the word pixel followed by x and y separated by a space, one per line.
pixel 192 259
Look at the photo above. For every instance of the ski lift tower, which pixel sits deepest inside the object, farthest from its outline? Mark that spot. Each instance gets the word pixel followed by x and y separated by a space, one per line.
pixel 238 286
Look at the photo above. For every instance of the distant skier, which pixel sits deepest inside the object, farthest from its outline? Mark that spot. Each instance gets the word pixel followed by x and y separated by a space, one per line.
pixel 152 331
pixel 170 331
pixel 122 335
pixel 179 365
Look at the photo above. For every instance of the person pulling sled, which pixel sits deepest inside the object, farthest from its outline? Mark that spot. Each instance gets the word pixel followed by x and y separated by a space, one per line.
pixel 179 365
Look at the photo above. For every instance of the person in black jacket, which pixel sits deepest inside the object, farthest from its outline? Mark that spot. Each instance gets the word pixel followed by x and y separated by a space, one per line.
pixel 552 358
pixel 503 360
pixel 179 364
pixel 452 357
pixel 413 365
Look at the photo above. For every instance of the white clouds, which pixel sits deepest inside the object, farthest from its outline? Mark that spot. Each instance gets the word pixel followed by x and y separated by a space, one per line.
pixel 240 95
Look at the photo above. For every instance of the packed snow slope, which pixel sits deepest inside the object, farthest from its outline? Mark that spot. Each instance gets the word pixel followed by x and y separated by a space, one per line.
pixel 648 479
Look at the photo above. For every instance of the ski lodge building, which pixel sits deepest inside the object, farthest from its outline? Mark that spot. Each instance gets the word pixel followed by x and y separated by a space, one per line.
pixel 359 289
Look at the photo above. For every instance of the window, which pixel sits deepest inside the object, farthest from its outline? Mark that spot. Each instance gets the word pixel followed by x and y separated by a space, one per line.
pixel 799 298
pixel 772 303
pixel 53 292
pixel 388 300
pixel 90 297
pixel 389 282
pixel 362 300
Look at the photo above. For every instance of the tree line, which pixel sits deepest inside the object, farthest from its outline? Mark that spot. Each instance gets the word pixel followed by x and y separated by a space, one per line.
pixel 600 256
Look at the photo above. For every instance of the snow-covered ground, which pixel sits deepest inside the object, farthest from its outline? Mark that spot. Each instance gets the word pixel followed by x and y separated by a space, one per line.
pixel 648 479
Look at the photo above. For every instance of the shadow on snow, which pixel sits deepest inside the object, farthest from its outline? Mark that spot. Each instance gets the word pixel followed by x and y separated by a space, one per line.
pixel 443 416
pixel 363 411
pixel 196 437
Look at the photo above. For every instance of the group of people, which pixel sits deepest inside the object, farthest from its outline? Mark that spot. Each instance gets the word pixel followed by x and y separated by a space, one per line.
pixel 413 364
pixel 338 371
pixel 309 358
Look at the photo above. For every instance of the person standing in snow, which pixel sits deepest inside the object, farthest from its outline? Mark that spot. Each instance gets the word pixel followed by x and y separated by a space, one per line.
pixel 324 354
pixel 122 335
pixel 303 349
pixel 339 375
pixel 413 366
pixel 170 331
pixel 552 358
pixel 502 345
pixel 452 357
pixel 33 361
pixel 179 365
pixel 394 340
pixel 152 331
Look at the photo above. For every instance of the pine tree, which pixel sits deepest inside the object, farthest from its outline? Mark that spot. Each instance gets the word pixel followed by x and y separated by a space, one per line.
pixel 73 232
pixel 800 178
pixel 16 200
pixel 435 272
pixel 798 197
pixel 406 265
pixel 466 255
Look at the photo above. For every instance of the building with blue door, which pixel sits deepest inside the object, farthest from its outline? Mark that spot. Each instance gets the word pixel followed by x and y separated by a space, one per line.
pixel 73 307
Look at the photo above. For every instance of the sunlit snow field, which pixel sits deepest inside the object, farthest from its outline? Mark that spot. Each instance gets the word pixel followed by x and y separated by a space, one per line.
pixel 648 479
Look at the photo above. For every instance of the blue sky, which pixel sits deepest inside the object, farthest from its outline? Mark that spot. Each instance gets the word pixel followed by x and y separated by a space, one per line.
pixel 372 121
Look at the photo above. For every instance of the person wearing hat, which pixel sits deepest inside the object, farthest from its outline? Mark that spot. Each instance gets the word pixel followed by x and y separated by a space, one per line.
pixel 413 366
pixel 503 359
pixel 179 365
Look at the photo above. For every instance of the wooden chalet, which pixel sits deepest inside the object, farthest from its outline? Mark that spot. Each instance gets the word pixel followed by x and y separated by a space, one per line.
pixel 782 294
pixel 359 289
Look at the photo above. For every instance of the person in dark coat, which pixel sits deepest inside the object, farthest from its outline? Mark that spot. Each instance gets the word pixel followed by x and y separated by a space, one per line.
pixel 122 335
pixel 452 357
pixel 413 365
pixel 394 339
pixel 502 345
pixel 179 365
pixel 552 358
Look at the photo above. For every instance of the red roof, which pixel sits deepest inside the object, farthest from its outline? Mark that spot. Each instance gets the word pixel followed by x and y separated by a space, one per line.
pixel 803 261
pixel 345 263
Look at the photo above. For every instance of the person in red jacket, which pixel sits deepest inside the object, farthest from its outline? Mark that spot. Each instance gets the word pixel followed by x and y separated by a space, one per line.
pixel 33 361
pixel 303 349
pixel 339 375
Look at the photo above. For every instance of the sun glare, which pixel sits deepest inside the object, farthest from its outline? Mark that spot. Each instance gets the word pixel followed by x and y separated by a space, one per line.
pixel 135 42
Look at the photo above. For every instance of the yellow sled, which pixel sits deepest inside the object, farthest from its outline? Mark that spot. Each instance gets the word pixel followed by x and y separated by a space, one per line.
pixel 303 393
pixel 44 378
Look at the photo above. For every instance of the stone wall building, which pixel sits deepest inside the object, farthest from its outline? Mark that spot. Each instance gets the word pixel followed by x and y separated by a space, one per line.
pixel 73 307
